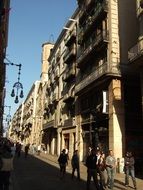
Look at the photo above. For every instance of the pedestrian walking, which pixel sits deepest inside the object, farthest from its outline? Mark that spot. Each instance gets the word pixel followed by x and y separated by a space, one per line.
pixel 102 171
pixel 63 162
pixel 89 151
pixel 13 149
pixel 111 169
pixel 75 164
pixel 129 169
pixel 27 150
pixel 39 149
pixel 6 168
pixel 91 164
pixel 32 150
pixel 18 149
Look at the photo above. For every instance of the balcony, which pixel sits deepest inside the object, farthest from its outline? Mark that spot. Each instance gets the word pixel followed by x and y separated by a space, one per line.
pixel 56 74
pixel 69 122
pixel 97 13
pixel 48 85
pixel 69 74
pixel 69 54
pixel 135 54
pixel 49 124
pixel 50 103
pixel 69 96
pixel 58 56
pixel 87 120
pixel 97 44
pixel 70 38
pixel 105 69
pixel 55 97
pixel 52 80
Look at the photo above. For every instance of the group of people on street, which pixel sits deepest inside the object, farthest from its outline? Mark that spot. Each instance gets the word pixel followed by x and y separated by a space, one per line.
pixel 103 169
pixel 99 167
pixel 63 162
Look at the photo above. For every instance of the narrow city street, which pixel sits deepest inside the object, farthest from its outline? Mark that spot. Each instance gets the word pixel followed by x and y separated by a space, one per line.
pixel 42 173
pixel 34 174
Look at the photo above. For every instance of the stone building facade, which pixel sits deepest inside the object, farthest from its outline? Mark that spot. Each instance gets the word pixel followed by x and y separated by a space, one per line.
pixel 4 22
pixel 85 96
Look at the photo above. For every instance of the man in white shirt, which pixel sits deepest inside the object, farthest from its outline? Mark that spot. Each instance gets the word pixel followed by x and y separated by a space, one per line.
pixel 111 169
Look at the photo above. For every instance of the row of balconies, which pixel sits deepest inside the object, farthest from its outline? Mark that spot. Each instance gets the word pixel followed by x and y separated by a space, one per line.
pixel 97 13
pixel 69 54
pixel 70 122
pixel 102 70
pixel 96 44
pixel 52 99
pixel 69 96
pixel 69 73
pixel 55 97
pixel 105 69
pixel 58 56
pixel 54 76
pixel 71 37
pixel 52 79
pixel 136 51
pixel 56 73
pixel 49 124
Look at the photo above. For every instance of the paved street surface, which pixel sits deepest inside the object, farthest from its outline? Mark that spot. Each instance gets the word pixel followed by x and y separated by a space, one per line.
pixel 42 173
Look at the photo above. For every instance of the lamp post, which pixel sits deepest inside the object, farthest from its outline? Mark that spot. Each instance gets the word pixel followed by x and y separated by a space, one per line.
pixel 17 85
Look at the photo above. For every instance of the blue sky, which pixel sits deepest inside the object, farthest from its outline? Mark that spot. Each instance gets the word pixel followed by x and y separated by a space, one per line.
pixel 32 23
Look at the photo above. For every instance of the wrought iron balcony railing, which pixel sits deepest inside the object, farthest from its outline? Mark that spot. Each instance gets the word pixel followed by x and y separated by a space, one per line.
pixel 136 51
pixel 69 122
pixel 100 38
pixel 49 124
pixel 57 73
pixel 70 53
pixel 95 11
pixel 98 10
pixel 70 37
pixel 69 96
pixel 69 73
pixel 55 97
pixel 104 69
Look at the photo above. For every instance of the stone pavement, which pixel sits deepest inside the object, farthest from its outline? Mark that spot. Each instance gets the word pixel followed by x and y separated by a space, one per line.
pixel 41 173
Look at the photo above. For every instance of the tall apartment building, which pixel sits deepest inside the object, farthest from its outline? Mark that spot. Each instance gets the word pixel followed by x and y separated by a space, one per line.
pixel 109 77
pixel 26 123
pixel 4 19
pixel 91 89
pixel 60 130
pixel 100 112
pixel 16 125
pixel 89 109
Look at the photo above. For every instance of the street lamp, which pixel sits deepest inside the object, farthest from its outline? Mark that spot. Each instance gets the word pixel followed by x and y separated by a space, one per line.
pixel 17 85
